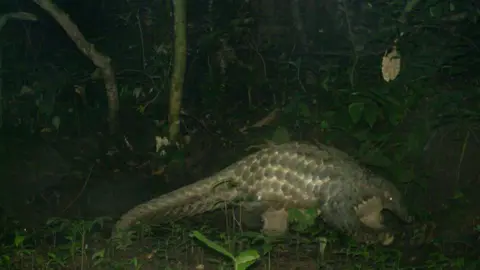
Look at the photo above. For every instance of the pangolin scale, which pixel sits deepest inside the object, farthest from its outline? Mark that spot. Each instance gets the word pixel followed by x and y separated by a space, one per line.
pixel 291 175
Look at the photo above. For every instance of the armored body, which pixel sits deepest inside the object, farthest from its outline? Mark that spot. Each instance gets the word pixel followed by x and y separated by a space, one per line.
pixel 279 177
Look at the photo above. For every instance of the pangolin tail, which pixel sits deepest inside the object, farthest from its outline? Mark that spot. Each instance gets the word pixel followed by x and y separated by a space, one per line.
pixel 200 197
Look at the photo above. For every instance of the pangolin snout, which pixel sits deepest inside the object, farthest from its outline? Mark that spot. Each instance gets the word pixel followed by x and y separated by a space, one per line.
pixel 399 211
pixel 372 212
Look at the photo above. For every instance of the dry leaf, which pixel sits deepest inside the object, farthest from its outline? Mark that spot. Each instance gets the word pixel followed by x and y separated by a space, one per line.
pixel 391 65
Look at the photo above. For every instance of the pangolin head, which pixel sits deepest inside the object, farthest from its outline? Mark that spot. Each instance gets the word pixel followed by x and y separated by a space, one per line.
pixel 381 195
pixel 392 200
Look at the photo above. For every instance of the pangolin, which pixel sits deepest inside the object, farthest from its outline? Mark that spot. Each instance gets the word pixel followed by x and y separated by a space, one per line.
pixel 297 175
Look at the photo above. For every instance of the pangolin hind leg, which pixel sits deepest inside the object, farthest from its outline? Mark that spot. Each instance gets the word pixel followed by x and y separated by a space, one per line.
pixel 260 216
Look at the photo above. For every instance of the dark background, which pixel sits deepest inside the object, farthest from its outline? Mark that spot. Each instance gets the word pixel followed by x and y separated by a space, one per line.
pixel 313 61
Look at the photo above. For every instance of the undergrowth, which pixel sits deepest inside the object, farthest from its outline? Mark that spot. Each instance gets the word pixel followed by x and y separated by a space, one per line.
pixel 82 244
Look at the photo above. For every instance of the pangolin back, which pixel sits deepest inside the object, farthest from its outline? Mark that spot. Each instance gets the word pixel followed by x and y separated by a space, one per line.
pixel 286 174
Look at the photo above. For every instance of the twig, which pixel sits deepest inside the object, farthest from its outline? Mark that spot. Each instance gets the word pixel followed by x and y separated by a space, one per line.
pixel 262 122
pixel 144 61
pixel 81 190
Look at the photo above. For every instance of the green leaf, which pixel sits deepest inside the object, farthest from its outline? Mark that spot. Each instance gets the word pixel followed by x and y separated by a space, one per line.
pixel 304 215
pixel 395 116
pixel 304 110
pixel 378 159
pixel 458 195
pixel 371 114
pixel 246 258
pixel 212 244
pixel 268 247
pixel 324 124
pixel 99 254
pixel 362 135
pixel 18 239
pixel 356 110
pixel 302 219
pixel 281 135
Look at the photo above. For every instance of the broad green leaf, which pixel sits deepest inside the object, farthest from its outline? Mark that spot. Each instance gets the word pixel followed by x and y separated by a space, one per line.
pixel 246 258
pixel 356 110
pixel 281 135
